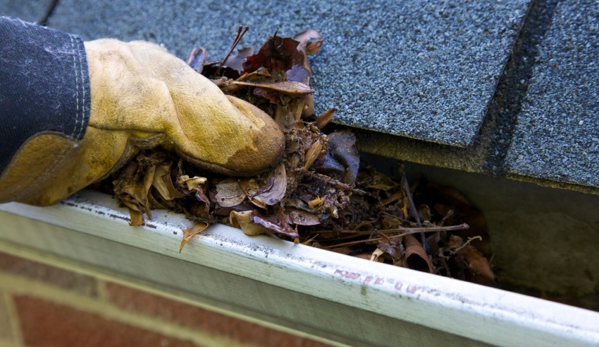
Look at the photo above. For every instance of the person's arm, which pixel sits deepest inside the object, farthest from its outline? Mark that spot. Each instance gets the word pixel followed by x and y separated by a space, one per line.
pixel 73 112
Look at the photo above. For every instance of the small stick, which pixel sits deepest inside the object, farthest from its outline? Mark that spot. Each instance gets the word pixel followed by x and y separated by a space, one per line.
pixel 470 239
pixel 336 183
pixel 449 214
pixel 408 231
pixel 238 36
pixel 413 210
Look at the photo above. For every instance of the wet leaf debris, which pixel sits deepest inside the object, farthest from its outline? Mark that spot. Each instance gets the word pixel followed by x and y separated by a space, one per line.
pixel 320 194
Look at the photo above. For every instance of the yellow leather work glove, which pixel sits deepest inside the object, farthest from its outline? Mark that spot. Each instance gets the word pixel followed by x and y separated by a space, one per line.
pixel 142 97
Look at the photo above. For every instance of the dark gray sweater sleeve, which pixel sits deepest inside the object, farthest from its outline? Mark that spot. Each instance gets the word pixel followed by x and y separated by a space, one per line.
pixel 44 84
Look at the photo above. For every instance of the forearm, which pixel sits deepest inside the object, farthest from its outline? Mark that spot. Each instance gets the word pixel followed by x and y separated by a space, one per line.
pixel 44 85
pixel 44 110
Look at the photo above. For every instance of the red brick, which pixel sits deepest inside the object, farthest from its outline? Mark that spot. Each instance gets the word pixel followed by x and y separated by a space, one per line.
pixel 5 327
pixel 45 273
pixel 195 317
pixel 47 324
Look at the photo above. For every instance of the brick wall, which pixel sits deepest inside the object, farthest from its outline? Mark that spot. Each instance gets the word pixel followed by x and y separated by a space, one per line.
pixel 45 306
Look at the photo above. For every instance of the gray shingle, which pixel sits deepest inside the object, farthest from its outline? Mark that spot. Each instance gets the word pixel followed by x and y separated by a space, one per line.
pixel 30 11
pixel 420 69
pixel 557 133
pixel 424 70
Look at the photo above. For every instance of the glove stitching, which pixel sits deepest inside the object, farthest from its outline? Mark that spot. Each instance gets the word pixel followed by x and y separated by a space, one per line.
pixel 75 69
pixel 81 86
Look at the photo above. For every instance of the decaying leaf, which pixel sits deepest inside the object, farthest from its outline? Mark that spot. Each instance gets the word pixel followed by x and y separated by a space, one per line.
pixel 137 218
pixel 277 186
pixel 243 220
pixel 313 153
pixel 477 262
pixel 250 188
pixel 229 193
pixel 192 183
pixel 341 161
pixel 393 247
pixel 191 232
pixel 299 217
pixel 197 59
pixel 130 189
pixel 277 223
pixel 235 62
pixel 288 87
pixel 416 257
pixel 275 55
pixel 376 254
pixel 164 184
pixel 325 118
pixel 309 40
pixel 318 201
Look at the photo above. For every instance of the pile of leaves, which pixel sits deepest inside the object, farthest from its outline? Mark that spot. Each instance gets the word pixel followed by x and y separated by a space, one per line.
pixel 321 194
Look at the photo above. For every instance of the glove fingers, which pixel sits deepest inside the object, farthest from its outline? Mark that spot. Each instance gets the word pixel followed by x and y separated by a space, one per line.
pixel 239 139
pixel 139 88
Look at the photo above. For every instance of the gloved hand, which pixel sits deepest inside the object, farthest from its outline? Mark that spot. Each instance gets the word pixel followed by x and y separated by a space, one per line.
pixel 142 97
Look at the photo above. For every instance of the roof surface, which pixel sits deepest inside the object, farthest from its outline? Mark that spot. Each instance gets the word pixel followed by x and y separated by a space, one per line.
pixel 421 69
pixel 508 88
pixel 557 134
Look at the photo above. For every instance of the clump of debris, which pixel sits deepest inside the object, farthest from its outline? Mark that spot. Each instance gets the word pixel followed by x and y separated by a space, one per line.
pixel 321 194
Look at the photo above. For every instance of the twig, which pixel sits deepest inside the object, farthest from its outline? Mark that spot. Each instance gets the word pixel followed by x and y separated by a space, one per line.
pixel 307 242
pixel 240 32
pixel 414 211
pixel 412 206
pixel 449 214
pixel 336 183
pixel 470 239
pixel 408 231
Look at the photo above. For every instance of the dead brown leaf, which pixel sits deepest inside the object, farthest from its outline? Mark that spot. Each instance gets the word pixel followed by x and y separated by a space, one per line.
pixel 197 59
pixel 287 87
pixel 415 256
pixel 278 186
pixel 300 217
pixel 229 193
pixel 243 220
pixel 191 232
pixel 275 55
pixel 309 40
pixel 478 264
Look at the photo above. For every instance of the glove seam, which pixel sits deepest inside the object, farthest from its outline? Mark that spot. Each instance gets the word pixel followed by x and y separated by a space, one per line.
pixel 81 88
pixel 75 69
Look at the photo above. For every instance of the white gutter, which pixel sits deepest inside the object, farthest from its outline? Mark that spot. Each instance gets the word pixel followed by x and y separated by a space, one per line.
pixel 336 297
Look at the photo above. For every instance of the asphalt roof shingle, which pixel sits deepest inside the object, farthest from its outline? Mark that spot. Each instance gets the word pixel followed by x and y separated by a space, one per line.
pixel 411 71
pixel 557 132
pixel 30 11
pixel 419 69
